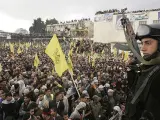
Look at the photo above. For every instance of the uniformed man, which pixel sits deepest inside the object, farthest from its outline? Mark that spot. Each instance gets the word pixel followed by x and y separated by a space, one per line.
pixel 143 101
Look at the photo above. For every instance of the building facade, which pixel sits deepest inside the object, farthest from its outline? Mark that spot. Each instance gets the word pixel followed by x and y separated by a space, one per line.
pixel 108 28
pixel 76 28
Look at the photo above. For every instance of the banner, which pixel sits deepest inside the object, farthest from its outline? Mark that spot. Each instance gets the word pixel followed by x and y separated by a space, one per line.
pixel 138 16
pixel 121 46
pixel 107 17
pixel 158 15
pixel 118 22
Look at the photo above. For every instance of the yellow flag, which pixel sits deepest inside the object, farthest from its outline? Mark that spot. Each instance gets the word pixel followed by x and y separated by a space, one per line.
pixel 123 54
pixel 59 85
pixel 102 52
pixel 27 45
pixel 83 54
pixel 93 61
pixel 36 61
pixel 76 49
pixel 0 67
pixel 19 50
pixel 126 56
pixel 11 47
pixel 74 44
pixel 89 59
pixel 71 44
pixel 115 52
pixel 70 65
pixel 70 52
pixel 55 52
pixel 53 71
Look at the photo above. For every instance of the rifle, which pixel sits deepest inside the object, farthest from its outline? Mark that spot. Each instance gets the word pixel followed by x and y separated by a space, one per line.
pixel 130 35
pixel 132 42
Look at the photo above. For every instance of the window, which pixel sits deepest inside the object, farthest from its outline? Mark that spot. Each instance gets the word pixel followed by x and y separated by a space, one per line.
pixel 156 21
pixel 142 22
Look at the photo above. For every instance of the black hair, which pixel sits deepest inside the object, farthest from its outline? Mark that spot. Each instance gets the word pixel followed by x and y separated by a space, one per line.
pixel 65 113
pixel 54 109
pixel 16 94
pixel 16 86
pixel 47 111
pixel 8 94
pixel 83 95
pixel 48 88
pixel 28 95
pixel 41 93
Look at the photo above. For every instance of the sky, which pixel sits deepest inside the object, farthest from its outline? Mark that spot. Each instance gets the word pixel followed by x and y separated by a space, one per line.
pixel 20 13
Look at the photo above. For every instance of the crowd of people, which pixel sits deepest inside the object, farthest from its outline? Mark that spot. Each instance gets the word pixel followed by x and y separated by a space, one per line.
pixel 72 21
pixel 116 11
pixel 30 93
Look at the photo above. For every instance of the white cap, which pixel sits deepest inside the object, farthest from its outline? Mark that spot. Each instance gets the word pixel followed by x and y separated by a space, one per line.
pixel 95 81
pixel 117 108
pixel 26 91
pixel 43 87
pixel 107 85
pixel 80 106
pixel 36 91
pixel 101 87
pixel 84 92
pixel 110 91
pixel 95 78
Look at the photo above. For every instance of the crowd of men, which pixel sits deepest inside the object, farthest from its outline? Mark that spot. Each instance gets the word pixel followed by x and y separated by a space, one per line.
pixel 30 93
pixel 116 11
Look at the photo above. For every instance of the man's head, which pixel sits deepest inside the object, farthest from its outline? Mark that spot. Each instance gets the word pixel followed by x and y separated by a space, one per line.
pixel 84 98
pixel 80 107
pixel 36 92
pixel 8 96
pixel 31 111
pixel 16 96
pixel 65 116
pixel 2 95
pixel 53 112
pixel 46 113
pixel 149 35
pixel 27 98
pixel 110 92
pixel 48 91
pixel 149 46
pixel 59 96
pixel 26 91
pixel 41 96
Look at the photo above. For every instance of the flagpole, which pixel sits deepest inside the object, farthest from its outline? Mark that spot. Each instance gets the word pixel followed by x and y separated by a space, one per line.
pixel 75 85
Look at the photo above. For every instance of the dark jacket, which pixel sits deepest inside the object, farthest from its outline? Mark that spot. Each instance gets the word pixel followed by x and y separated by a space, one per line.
pixel 58 106
pixel 148 103
pixel 9 108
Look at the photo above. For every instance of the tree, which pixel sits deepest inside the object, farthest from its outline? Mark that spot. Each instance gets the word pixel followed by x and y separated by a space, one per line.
pixel 38 26
pixel 51 21
pixel 21 31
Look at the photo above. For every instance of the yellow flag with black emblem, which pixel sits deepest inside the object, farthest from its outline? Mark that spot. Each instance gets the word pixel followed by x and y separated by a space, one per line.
pixel 115 52
pixel 0 67
pixel 70 65
pixel 36 61
pixel 54 51
pixel 11 47
pixel 19 51
pixel 126 56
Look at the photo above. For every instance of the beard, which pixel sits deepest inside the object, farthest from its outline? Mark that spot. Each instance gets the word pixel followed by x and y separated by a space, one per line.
pixel 148 57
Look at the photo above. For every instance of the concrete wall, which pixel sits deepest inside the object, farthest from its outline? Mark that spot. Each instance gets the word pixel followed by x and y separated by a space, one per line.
pixel 108 31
